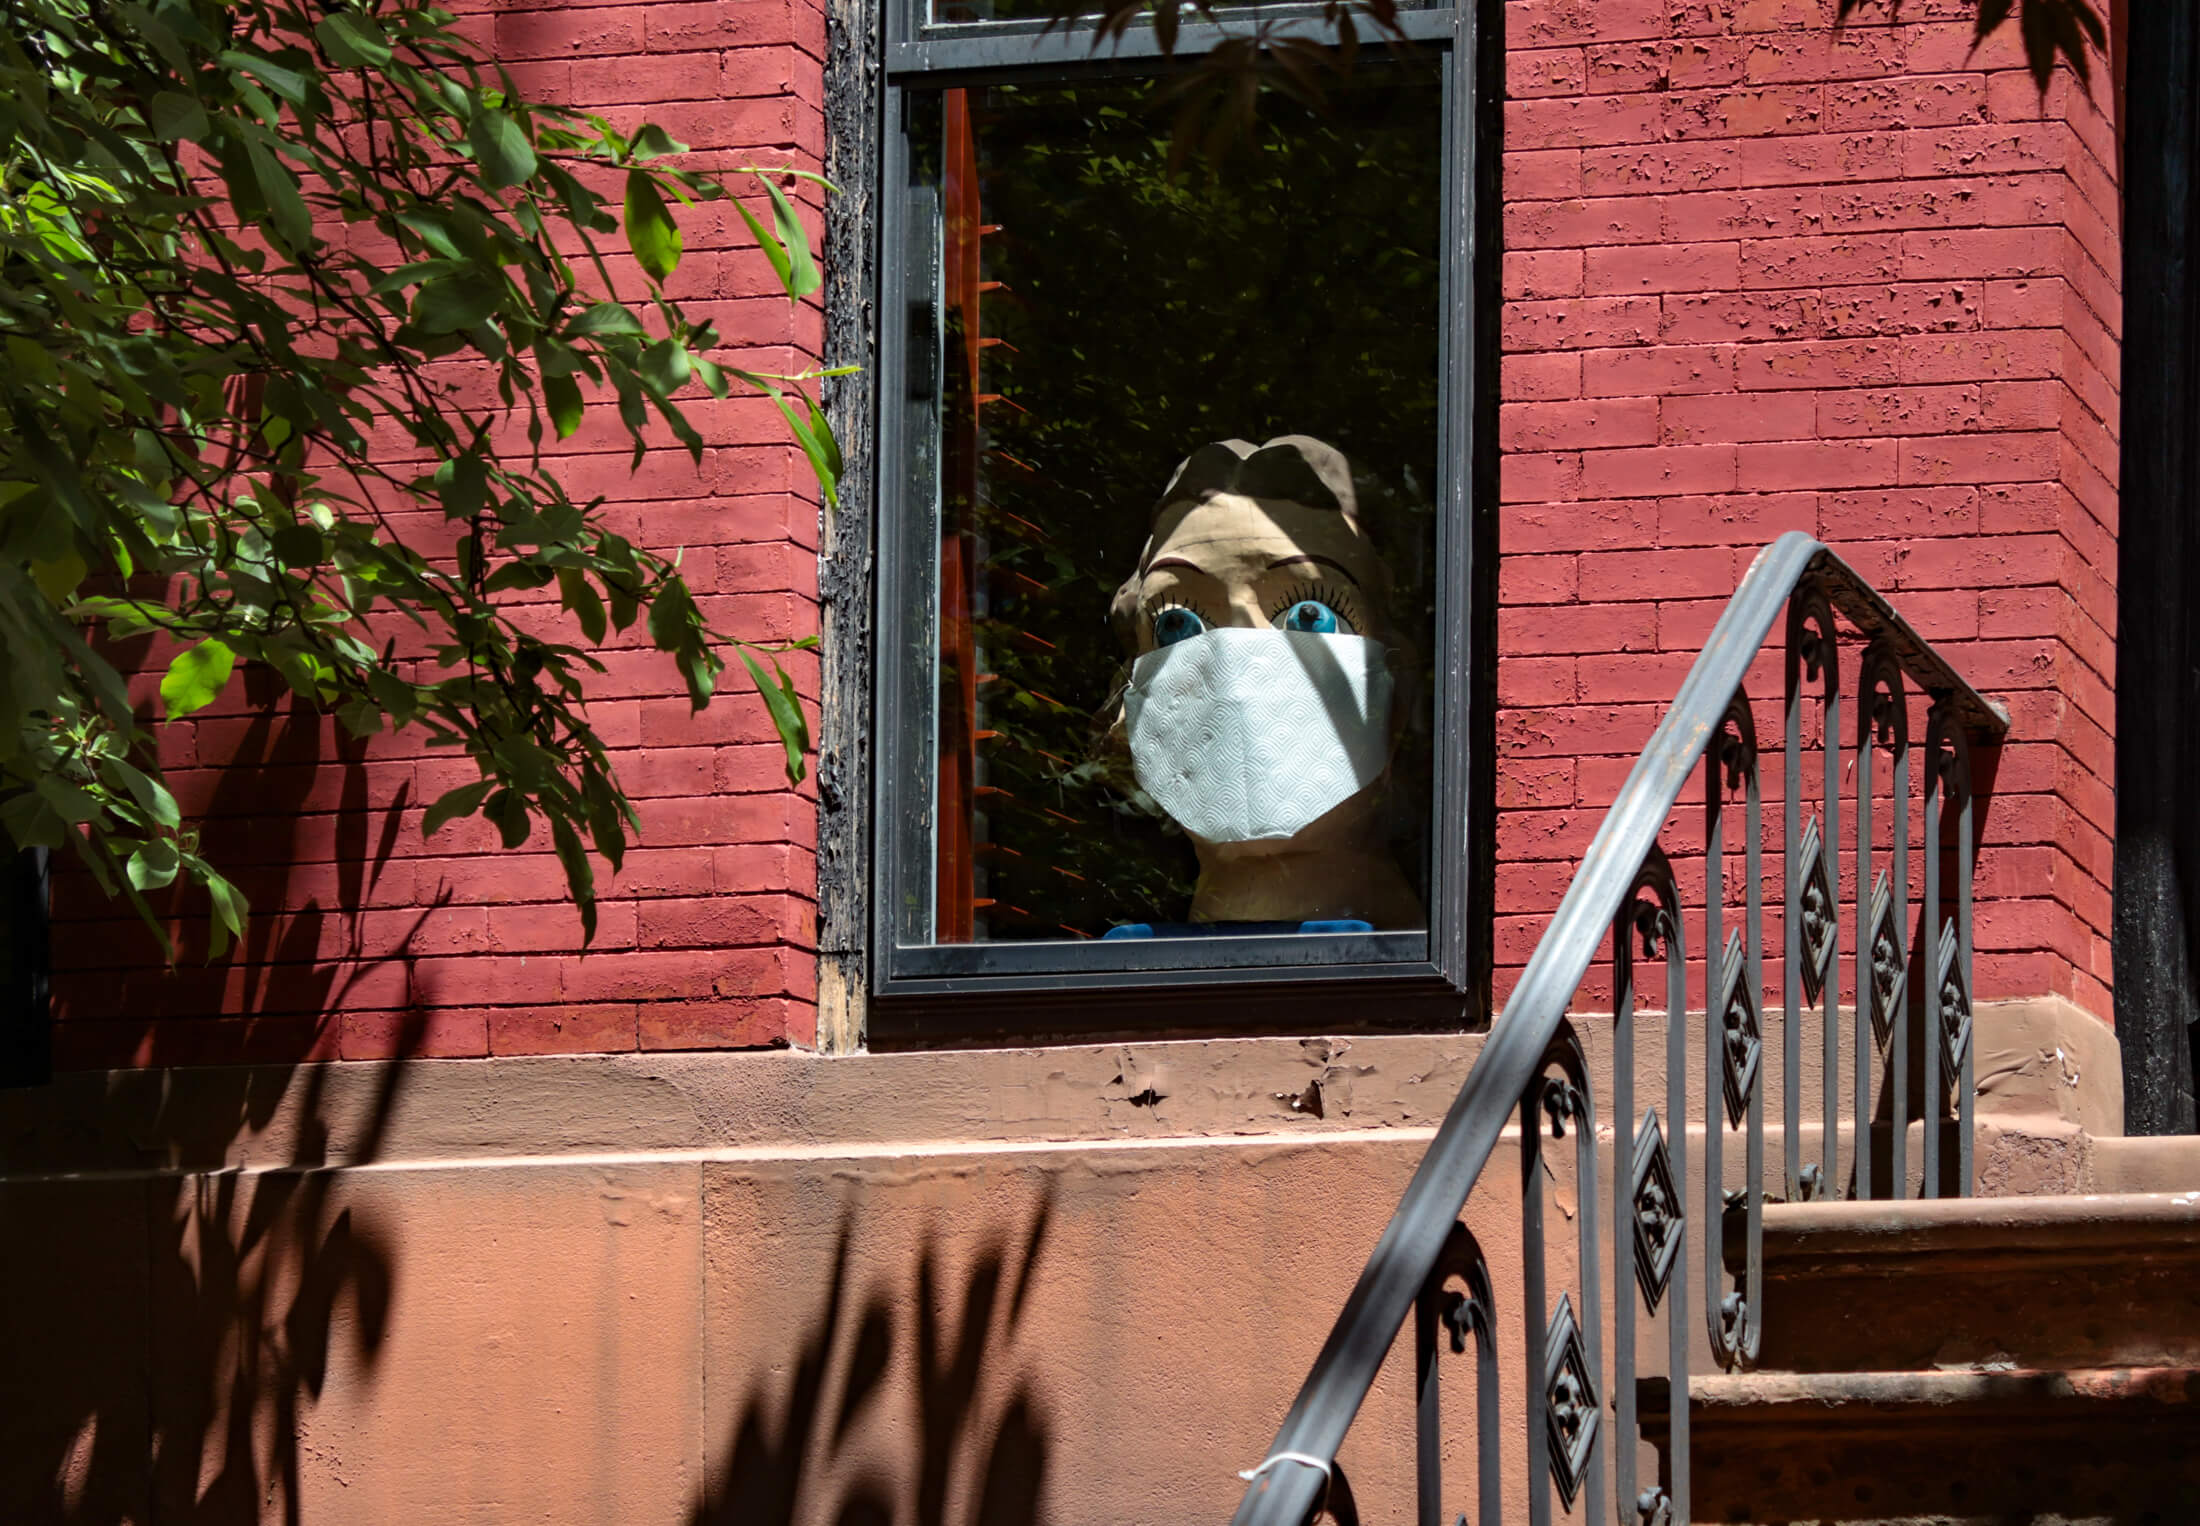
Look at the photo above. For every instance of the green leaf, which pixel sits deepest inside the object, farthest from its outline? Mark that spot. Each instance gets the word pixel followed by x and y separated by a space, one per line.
pixel 650 230
pixel 354 40
pixel 58 579
pixel 153 866
pixel 579 595
pixel 605 318
pixel 279 189
pixel 699 669
pixel 462 801
pixel 608 813
pixel 360 717
pixel 287 83
pixel 153 30
pixel 580 875
pixel 392 694
pixel 555 357
pixel 815 437
pixel 563 394
pixel 785 710
pixel 774 251
pixel 71 804
pixel 152 797
pixel 463 484
pixel 801 277
pixel 29 823
pixel 195 676
pixel 828 447
pixel 674 622
pixel 305 671
pixel 176 118
pixel 508 809
pixel 516 575
pixel 417 272
pixel 500 145
pixel 458 302
pixel 432 227
pixel 299 545
pixel 653 142
pixel 229 914
pixel 665 365
pixel 624 605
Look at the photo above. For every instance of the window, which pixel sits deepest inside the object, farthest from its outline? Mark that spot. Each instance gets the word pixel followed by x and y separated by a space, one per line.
pixel 1174 566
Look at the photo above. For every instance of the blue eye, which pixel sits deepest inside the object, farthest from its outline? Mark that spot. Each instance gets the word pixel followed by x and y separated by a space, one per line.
pixel 1174 624
pixel 1312 616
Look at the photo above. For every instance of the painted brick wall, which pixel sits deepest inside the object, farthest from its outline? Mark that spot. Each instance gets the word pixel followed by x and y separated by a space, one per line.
pixel 365 940
pixel 1761 275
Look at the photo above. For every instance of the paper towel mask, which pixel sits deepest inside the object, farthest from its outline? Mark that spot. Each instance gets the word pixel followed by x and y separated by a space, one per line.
pixel 1268 686
pixel 1253 735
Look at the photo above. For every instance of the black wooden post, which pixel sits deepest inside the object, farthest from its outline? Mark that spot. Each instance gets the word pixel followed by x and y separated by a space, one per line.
pixel 2158 578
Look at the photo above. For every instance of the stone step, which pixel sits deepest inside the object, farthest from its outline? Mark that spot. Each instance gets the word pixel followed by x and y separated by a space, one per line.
pixel 2092 1445
pixel 2035 1282
pixel 2162 1163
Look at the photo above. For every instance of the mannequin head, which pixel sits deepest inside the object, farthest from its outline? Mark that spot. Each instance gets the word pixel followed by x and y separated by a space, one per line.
pixel 1272 539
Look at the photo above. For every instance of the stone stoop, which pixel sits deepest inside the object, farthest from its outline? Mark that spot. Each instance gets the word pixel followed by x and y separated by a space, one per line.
pixel 1972 1360
pixel 2051 1108
pixel 2169 1163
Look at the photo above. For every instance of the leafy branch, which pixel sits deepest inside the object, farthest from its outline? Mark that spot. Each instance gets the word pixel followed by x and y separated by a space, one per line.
pixel 290 296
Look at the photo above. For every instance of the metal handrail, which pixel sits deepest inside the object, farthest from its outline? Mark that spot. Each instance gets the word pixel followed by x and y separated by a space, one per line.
pixel 1289 1485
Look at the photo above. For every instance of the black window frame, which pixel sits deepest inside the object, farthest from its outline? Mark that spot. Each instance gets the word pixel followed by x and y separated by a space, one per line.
pixel 1438 977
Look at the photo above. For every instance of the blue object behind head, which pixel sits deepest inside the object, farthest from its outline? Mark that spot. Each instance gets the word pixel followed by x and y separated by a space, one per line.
pixel 1235 929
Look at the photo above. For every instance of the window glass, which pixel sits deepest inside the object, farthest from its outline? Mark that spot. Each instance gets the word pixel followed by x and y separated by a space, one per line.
pixel 1178 522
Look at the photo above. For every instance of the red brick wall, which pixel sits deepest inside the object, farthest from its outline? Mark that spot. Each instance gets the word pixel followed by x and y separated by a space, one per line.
pixel 364 939
pixel 1761 275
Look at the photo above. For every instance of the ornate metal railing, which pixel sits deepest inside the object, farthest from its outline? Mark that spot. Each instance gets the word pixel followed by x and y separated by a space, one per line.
pixel 1581 1420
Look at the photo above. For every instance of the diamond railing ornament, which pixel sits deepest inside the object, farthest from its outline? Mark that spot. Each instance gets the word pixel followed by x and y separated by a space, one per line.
pixel 1817 913
pixel 1744 1042
pixel 1658 1216
pixel 1570 1402
pixel 1890 965
pixel 1955 1007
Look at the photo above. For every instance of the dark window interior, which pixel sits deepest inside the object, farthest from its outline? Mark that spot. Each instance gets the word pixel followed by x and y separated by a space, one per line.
pixel 1107 302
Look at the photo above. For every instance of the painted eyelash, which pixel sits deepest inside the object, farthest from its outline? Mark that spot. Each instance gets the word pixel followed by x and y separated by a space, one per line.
pixel 1155 613
pixel 1338 599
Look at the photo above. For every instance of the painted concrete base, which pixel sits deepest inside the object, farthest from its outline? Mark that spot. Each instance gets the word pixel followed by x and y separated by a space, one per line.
pixel 1070 1286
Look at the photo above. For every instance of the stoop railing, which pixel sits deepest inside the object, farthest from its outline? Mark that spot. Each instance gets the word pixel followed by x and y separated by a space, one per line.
pixel 1574 1410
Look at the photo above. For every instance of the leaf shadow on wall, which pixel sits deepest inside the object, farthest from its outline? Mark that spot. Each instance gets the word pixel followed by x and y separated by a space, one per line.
pixel 165 1341
pixel 306 960
pixel 791 1457
pixel 168 1320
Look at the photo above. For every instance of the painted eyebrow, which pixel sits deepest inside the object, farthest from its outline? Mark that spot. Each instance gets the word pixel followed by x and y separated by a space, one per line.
pixel 1174 561
pixel 1323 561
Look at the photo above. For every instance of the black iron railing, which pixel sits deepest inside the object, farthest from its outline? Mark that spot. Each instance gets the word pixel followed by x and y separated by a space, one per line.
pixel 1580 1419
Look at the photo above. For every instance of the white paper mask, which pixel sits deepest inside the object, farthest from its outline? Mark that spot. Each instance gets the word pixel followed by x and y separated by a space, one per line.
pixel 1247 735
